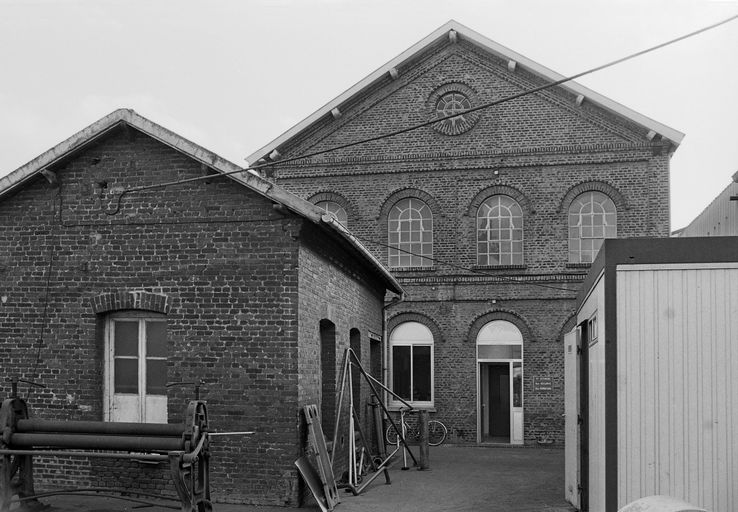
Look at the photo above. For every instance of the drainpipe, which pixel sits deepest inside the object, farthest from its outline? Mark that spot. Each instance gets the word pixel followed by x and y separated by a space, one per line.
pixel 385 340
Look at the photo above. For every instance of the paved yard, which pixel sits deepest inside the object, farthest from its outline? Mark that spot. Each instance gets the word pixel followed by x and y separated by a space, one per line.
pixel 460 479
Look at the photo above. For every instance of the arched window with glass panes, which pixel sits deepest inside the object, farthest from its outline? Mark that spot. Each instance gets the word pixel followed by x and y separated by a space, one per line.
pixel 410 234
pixel 592 218
pixel 500 232
pixel 335 209
pixel 411 353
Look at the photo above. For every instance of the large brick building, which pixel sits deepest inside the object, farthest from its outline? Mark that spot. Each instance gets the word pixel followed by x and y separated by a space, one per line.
pixel 489 220
pixel 107 297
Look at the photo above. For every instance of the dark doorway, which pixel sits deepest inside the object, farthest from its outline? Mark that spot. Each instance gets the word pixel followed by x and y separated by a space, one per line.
pixel 495 402
pixel 355 344
pixel 327 376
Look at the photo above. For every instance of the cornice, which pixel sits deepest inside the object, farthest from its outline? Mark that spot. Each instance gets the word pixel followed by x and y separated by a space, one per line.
pixel 470 160
pixel 511 280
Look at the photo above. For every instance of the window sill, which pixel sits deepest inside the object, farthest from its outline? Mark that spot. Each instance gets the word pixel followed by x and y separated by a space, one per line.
pixel 578 265
pixel 499 267
pixel 396 408
pixel 412 269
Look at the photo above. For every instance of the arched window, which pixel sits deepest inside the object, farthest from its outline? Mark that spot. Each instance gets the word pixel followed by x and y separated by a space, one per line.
pixel 411 346
pixel 499 339
pixel 410 227
pixel 500 232
pixel 592 218
pixel 334 209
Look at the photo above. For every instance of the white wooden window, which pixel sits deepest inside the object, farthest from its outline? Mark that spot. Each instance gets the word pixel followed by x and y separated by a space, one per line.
pixel 336 210
pixel 411 347
pixel 136 368
pixel 410 233
pixel 592 218
pixel 500 232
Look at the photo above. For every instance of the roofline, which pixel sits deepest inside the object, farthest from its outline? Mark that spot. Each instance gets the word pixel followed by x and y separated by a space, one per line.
pixel 345 233
pixel 219 164
pixel 726 193
pixel 470 35
pixel 101 127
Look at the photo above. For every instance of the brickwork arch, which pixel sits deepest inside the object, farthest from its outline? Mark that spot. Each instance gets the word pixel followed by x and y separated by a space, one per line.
pixel 588 186
pixel 427 321
pixel 566 326
pixel 131 299
pixel 327 195
pixel 405 193
pixel 496 190
pixel 500 314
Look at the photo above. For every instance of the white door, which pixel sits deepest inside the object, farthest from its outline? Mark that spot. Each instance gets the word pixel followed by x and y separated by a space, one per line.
pixel 500 383
pixel 136 369
pixel 572 436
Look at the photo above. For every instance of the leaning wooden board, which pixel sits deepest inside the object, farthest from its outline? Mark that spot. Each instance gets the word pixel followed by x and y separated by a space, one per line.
pixel 322 461
pixel 312 478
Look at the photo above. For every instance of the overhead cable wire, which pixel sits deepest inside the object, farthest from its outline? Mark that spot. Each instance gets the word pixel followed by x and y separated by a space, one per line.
pixel 428 123
pixel 461 267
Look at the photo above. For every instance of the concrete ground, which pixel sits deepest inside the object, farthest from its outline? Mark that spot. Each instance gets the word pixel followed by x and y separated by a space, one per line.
pixel 460 479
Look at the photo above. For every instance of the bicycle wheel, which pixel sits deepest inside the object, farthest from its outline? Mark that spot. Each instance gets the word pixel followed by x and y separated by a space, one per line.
pixel 390 434
pixel 436 432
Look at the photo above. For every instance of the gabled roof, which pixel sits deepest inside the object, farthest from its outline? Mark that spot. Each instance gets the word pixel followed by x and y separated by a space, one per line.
pixel 121 117
pixel 467 34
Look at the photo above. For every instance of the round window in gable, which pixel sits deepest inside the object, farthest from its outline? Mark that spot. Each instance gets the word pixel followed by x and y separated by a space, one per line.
pixel 451 101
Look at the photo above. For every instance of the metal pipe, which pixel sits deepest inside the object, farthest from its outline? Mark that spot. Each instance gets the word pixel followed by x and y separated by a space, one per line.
pixel 97 442
pixel 211 434
pixel 98 455
pixel 100 427
pixel 369 380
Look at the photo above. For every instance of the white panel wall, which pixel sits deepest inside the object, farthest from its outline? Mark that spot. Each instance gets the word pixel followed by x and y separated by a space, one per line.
pixel 594 305
pixel 677 362
pixel 597 426
pixel 572 437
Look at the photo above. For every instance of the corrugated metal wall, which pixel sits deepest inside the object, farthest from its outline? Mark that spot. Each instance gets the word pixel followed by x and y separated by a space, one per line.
pixel 677 362
pixel 720 218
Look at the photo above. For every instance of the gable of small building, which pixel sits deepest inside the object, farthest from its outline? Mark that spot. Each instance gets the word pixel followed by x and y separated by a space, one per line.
pixel 243 286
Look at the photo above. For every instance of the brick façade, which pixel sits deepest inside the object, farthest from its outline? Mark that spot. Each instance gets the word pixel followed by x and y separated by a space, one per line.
pixel 244 286
pixel 542 149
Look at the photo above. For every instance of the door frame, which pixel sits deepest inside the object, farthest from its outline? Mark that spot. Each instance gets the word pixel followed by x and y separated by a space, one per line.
pixel 519 411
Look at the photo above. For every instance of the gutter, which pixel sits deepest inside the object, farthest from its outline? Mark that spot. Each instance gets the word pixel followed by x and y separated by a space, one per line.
pixel 331 221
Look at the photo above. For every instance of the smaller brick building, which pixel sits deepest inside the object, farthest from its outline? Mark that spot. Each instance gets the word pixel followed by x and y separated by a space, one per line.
pixel 113 287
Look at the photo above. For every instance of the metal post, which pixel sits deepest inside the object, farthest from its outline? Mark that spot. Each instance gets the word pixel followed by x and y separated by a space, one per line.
pixel 423 426
pixel 378 427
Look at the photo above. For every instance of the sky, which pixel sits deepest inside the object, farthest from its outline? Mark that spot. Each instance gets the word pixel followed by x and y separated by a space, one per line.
pixel 234 75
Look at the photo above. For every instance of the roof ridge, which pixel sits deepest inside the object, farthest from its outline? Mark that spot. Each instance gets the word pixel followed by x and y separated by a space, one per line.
pixel 487 44
pixel 260 185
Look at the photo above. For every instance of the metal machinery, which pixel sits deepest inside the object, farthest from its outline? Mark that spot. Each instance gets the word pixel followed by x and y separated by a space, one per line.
pixel 185 446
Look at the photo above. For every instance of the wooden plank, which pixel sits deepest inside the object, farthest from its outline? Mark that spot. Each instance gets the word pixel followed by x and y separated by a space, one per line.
pixel 322 461
pixel 312 479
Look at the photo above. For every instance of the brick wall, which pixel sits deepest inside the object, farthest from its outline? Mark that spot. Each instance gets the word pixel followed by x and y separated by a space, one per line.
pixel 218 260
pixel 330 291
pixel 542 149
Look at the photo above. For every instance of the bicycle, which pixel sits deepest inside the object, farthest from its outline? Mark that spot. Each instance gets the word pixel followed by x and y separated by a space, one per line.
pixel 437 431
